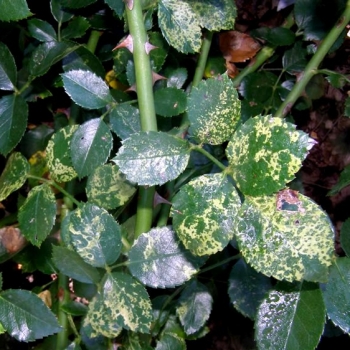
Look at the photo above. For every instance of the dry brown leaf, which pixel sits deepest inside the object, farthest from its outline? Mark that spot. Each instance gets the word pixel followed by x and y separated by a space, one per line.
pixel 11 239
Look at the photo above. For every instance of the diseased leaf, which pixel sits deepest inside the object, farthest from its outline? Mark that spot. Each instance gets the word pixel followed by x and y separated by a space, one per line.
pixel 14 10
pixel 14 175
pixel 90 146
pixel 265 153
pixel 170 101
pixel 203 213
pixel 286 236
pixel 151 158
pixel 13 122
pixel 86 89
pixel 179 25
pixel 291 317
pixel 25 316
pixel 95 235
pixel 8 70
pixel 159 260
pixel 37 215
pixel 213 110
pixel 41 30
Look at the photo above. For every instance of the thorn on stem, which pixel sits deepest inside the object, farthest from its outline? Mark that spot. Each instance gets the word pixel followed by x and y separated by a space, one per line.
pixel 127 42
pixel 129 4
pixel 149 47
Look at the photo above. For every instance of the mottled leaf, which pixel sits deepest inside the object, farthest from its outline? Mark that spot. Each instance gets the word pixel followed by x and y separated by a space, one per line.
pixel 292 317
pixel 108 188
pixel 247 288
pixel 179 25
pixel 8 70
pixel 265 153
pixel 159 260
pixel 194 306
pixel 58 155
pixel 170 102
pixel 14 10
pixel 336 293
pixel 14 175
pixel 37 215
pixel 76 28
pixel 95 235
pixel 90 146
pixel 214 110
pixel 151 158
pixel 286 236
pixel 86 89
pixel 13 121
pixel 25 316
pixel 203 213
pixel 41 30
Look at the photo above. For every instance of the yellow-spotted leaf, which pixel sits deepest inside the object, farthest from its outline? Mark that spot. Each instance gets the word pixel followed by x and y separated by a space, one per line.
pixel 286 236
pixel 108 188
pixel 95 235
pixel 58 155
pixel 214 110
pixel 265 153
pixel 159 260
pixel 203 213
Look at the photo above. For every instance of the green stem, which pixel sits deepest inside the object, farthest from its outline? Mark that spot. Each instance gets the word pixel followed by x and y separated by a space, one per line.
pixel 165 209
pixel 64 297
pixel 93 40
pixel 312 67
pixel 209 156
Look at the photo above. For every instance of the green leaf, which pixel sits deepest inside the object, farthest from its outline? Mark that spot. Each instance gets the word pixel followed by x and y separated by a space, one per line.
pixel 292 317
pixel 76 28
pixel 194 306
pixel 95 235
pixel 75 308
pixel 214 110
pixel 286 236
pixel 152 158
pixel 265 153
pixel 344 180
pixel 76 4
pixel 277 36
pixel 294 60
pixel 86 89
pixel 58 155
pixel 159 55
pixel 176 77
pixel 117 5
pixel 125 120
pixel 8 70
pixel 336 293
pixel 25 316
pixel 247 288
pixel 71 264
pixel 41 30
pixel 345 237
pixel 108 188
pixel 170 341
pixel 159 260
pixel 59 13
pixel 170 102
pixel 203 213
pixel 90 146
pixel 14 10
pixel 179 25
pixel 336 79
pixel 13 122
pixel 14 175
pixel 47 54
pixel 37 215
pixel 215 15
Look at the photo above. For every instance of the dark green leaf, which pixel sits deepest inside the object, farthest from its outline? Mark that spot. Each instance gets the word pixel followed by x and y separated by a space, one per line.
pixel 25 316
pixel 117 5
pixel 151 158
pixel 159 54
pixel 276 36
pixel 13 121
pixel 336 294
pixel 203 213
pixel 247 288
pixel 292 317
pixel 76 28
pixel 95 235
pixel 176 77
pixel 345 237
pixel 214 110
pixel 47 54
pixel 14 175
pixel 315 88
pixel 159 260
pixel 71 264
pixel 41 30
pixel 86 89
pixel 35 140
pixel 59 13
pixel 265 153
pixel 343 181
pixel 37 215
pixel 286 236
pixel 75 4
pixel 74 308
pixel 170 341
pixel 194 306
pixel 8 70
pixel 14 10
pixel 108 188
pixel 294 60
pixel 336 79
pixel 170 102
pixel 90 146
